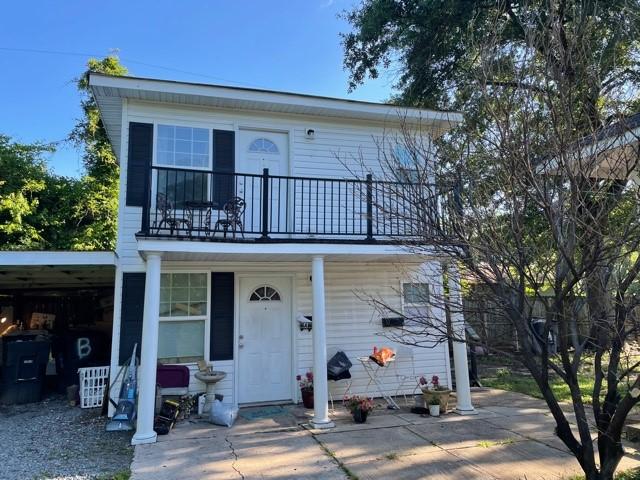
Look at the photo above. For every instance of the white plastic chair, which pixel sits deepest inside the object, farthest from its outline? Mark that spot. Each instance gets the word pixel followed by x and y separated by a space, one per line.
pixel 331 351
pixel 405 371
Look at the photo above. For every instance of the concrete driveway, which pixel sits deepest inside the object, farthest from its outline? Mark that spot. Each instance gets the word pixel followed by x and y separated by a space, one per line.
pixel 511 438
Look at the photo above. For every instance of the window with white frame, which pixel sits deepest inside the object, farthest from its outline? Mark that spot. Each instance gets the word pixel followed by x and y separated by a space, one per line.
pixel 183 146
pixel 415 294
pixel 183 316
pixel 184 151
pixel 406 163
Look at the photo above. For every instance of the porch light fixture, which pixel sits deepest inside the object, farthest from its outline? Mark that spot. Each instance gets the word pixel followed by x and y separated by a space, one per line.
pixel 311 133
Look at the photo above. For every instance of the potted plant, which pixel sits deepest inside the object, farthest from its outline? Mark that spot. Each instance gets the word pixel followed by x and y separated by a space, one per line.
pixel 434 406
pixel 359 407
pixel 306 389
pixel 436 390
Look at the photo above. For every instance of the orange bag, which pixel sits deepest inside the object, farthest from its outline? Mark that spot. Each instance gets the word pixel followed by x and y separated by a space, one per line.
pixel 382 356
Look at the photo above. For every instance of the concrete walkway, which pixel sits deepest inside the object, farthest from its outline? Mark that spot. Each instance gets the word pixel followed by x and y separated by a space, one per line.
pixel 511 438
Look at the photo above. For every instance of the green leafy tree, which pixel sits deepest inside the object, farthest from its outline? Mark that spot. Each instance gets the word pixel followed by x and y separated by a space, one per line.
pixel 433 46
pixel 96 211
pixel 24 178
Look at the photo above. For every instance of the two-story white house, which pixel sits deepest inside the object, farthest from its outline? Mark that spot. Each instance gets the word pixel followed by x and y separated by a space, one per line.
pixel 240 216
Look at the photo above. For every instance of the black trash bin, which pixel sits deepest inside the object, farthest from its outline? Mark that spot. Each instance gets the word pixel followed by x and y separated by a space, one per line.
pixel 24 365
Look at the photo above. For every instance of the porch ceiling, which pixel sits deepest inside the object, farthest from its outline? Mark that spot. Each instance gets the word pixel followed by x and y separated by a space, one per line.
pixel 279 252
pixel 56 270
pixel 55 277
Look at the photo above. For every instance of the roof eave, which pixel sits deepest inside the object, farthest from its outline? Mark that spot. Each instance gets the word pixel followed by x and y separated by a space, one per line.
pixel 136 87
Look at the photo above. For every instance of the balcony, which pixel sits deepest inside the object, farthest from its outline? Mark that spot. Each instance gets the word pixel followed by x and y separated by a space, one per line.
pixel 239 207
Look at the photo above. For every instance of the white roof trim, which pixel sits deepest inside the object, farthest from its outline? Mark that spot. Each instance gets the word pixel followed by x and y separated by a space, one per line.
pixel 26 258
pixel 254 99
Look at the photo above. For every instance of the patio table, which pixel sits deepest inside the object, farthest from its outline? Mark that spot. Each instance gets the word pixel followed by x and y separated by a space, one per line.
pixel 376 374
pixel 201 211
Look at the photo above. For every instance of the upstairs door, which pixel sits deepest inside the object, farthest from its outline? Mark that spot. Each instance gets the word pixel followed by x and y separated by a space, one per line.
pixel 261 149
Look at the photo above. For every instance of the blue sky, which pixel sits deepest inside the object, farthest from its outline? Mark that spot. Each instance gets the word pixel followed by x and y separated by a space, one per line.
pixel 283 45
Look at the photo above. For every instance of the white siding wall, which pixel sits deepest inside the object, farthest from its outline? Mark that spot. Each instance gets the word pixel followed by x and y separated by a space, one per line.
pixel 336 152
pixel 352 324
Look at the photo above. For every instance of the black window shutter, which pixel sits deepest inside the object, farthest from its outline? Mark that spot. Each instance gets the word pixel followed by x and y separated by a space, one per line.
pixel 224 161
pixel 131 314
pixel 221 331
pixel 139 162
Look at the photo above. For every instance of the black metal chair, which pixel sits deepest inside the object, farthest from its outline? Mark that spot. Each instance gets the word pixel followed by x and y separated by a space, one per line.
pixel 233 210
pixel 168 217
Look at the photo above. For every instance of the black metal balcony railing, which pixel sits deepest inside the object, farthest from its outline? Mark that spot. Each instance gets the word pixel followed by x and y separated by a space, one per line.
pixel 238 206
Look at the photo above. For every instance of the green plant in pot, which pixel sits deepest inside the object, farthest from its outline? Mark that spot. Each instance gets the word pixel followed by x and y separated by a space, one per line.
pixel 359 407
pixel 434 406
pixel 306 389
pixel 433 388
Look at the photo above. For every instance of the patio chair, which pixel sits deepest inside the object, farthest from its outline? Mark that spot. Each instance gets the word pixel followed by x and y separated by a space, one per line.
pixel 233 210
pixel 168 217
pixel 337 356
pixel 404 360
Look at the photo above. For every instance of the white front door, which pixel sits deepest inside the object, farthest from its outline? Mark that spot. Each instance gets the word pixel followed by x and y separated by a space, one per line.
pixel 264 340
pixel 259 150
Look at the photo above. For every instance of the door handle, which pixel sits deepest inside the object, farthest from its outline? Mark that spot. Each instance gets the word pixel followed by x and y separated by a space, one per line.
pixel 240 345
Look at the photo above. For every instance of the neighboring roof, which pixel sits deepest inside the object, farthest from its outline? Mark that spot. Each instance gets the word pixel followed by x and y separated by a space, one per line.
pixel 56 270
pixel 110 90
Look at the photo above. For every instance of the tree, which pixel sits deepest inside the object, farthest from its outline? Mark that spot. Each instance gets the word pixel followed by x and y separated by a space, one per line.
pixel 97 209
pixel 433 44
pixel 24 177
pixel 545 205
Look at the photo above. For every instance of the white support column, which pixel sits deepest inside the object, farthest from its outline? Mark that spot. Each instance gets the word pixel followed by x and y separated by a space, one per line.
pixel 463 389
pixel 149 355
pixel 115 335
pixel 319 329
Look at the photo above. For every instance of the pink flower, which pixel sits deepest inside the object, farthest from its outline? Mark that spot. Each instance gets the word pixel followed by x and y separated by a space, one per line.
pixel 423 381
pixel 435 380
pixel 298 377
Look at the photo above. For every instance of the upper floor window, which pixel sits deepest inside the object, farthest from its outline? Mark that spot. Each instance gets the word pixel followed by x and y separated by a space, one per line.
pixel 183 146
pixel 407 170
pixel 263 145
pixel 415 293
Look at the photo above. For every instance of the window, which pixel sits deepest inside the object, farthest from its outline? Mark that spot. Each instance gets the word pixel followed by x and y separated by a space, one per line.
pixel 183 314
pixel 264 293
pixel 415 293
pixel 182 147
pixel 408 169
pixel 263 145
pixel 181 186
pixel 187 150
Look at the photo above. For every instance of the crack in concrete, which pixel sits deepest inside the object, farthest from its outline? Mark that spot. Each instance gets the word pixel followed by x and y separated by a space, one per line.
pixel 235 456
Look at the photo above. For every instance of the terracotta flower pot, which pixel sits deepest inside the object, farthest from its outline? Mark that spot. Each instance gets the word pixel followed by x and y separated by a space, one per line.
pixel 307 397
pixel 360 416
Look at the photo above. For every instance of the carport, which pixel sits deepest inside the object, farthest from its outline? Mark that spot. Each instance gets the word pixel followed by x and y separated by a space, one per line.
pixel 65 298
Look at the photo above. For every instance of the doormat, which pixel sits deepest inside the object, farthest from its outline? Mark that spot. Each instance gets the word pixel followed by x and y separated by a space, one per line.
pixel 257 413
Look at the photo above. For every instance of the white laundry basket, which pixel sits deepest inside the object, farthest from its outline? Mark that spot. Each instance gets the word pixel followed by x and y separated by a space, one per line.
pixel 93 382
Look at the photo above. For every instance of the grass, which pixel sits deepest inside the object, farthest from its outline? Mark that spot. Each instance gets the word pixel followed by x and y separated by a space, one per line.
pixel 506 380
pixel 122 475
pixel 350 475
pixel 633 474
pixel 490 443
